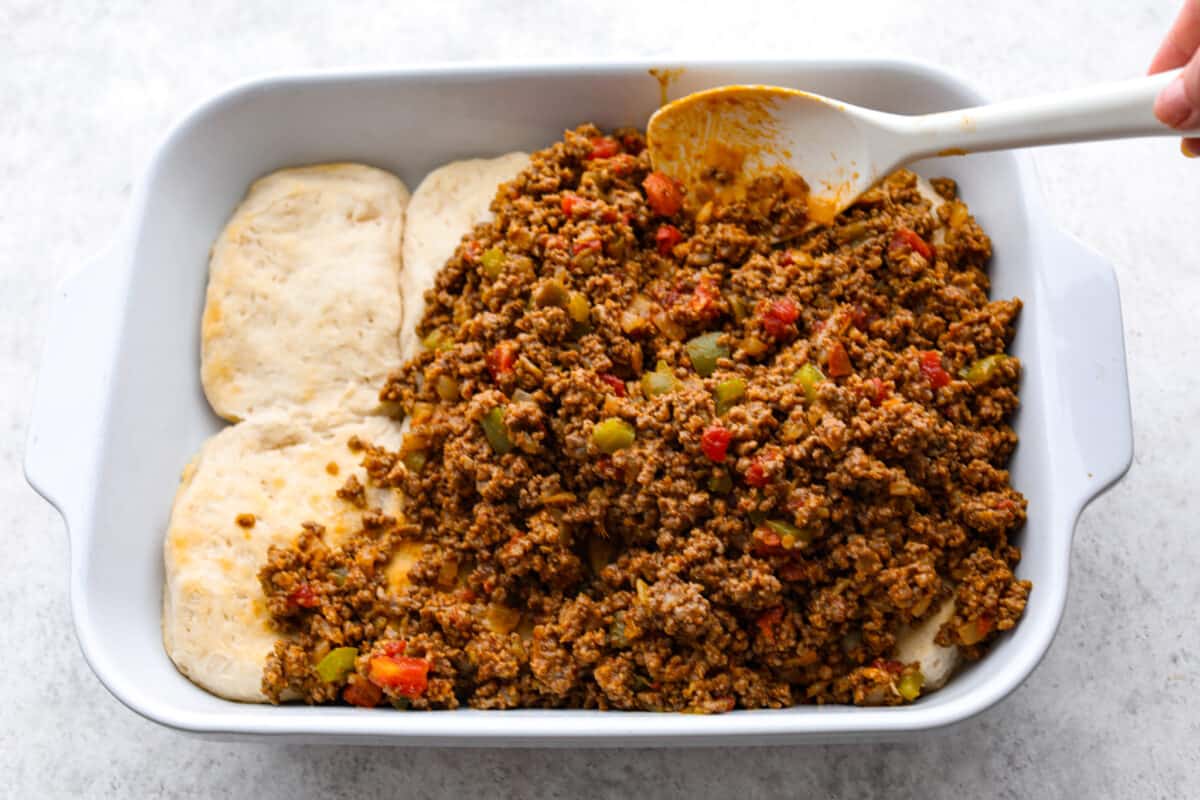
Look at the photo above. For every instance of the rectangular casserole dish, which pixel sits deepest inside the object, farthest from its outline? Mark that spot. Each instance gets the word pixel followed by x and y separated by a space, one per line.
pixel 119 408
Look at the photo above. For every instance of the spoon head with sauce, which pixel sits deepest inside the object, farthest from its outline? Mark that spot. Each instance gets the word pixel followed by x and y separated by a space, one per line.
pixel 717 141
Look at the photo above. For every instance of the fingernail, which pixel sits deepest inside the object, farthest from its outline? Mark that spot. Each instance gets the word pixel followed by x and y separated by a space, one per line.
pixel 1188 148
pixel 1172 106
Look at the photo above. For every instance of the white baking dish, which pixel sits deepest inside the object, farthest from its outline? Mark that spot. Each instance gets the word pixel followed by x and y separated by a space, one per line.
pixel 119 409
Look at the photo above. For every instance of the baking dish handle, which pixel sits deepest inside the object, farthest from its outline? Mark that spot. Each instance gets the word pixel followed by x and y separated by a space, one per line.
pixel 68 407
pixel 1094 417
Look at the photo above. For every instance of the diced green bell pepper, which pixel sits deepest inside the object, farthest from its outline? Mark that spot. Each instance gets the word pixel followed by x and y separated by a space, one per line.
pixel 728 393
pixel 808 377
pixel 983 370
pixel 705 350
pixel 496 431
pixel 613 434
pixel 661 381
pixel 337 664
pixel 492 262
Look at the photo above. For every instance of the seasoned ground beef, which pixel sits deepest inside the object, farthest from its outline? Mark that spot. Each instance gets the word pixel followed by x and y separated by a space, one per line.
pixel 674 458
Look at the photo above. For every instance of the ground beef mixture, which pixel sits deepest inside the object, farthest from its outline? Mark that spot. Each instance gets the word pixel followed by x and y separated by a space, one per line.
pixel 664 457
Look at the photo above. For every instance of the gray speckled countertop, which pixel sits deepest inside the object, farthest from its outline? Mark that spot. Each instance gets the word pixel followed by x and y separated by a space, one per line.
pixel 88 88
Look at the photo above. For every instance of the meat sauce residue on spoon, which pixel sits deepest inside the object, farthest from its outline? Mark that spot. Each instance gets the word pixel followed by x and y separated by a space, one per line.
pixel 717 142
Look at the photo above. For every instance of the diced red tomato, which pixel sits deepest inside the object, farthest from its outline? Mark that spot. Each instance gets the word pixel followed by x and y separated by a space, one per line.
pixel 767 543
pixel 585 245
pixel 394 647
pixel 303 596
pixel 756 474
pixel 611 214
pixel 666 237
pixel 500 361
pixel 767 621
pixel 361 692
pixel 622 164
pixel 471 251
pixel 614 383
pixel 664 195
pixel 888 665
pixel 838 361
pixel 859 317
pixel 575 206
pixel 787 259
pixel 875 390
pixel 604 147
pixel 704 301
pixel 780 316
pixel 932 369
pixel 906 239
pixel 715 443
pixel 408 676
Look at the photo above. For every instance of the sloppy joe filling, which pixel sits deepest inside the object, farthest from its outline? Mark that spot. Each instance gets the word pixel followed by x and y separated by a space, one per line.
pixel 675 456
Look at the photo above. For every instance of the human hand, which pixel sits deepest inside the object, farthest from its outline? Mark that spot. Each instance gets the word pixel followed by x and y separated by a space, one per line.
pixel 1178 105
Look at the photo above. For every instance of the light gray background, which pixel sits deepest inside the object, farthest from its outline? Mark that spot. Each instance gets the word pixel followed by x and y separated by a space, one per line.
pixel 86 91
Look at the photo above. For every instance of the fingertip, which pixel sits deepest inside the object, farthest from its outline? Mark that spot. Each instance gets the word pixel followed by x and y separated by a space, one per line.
pixel 1168 57
pixel 1190 148
pixel 1171 106
pixel 1182 40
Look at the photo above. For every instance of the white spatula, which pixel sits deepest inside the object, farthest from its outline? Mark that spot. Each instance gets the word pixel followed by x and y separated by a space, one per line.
pixel 724 136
